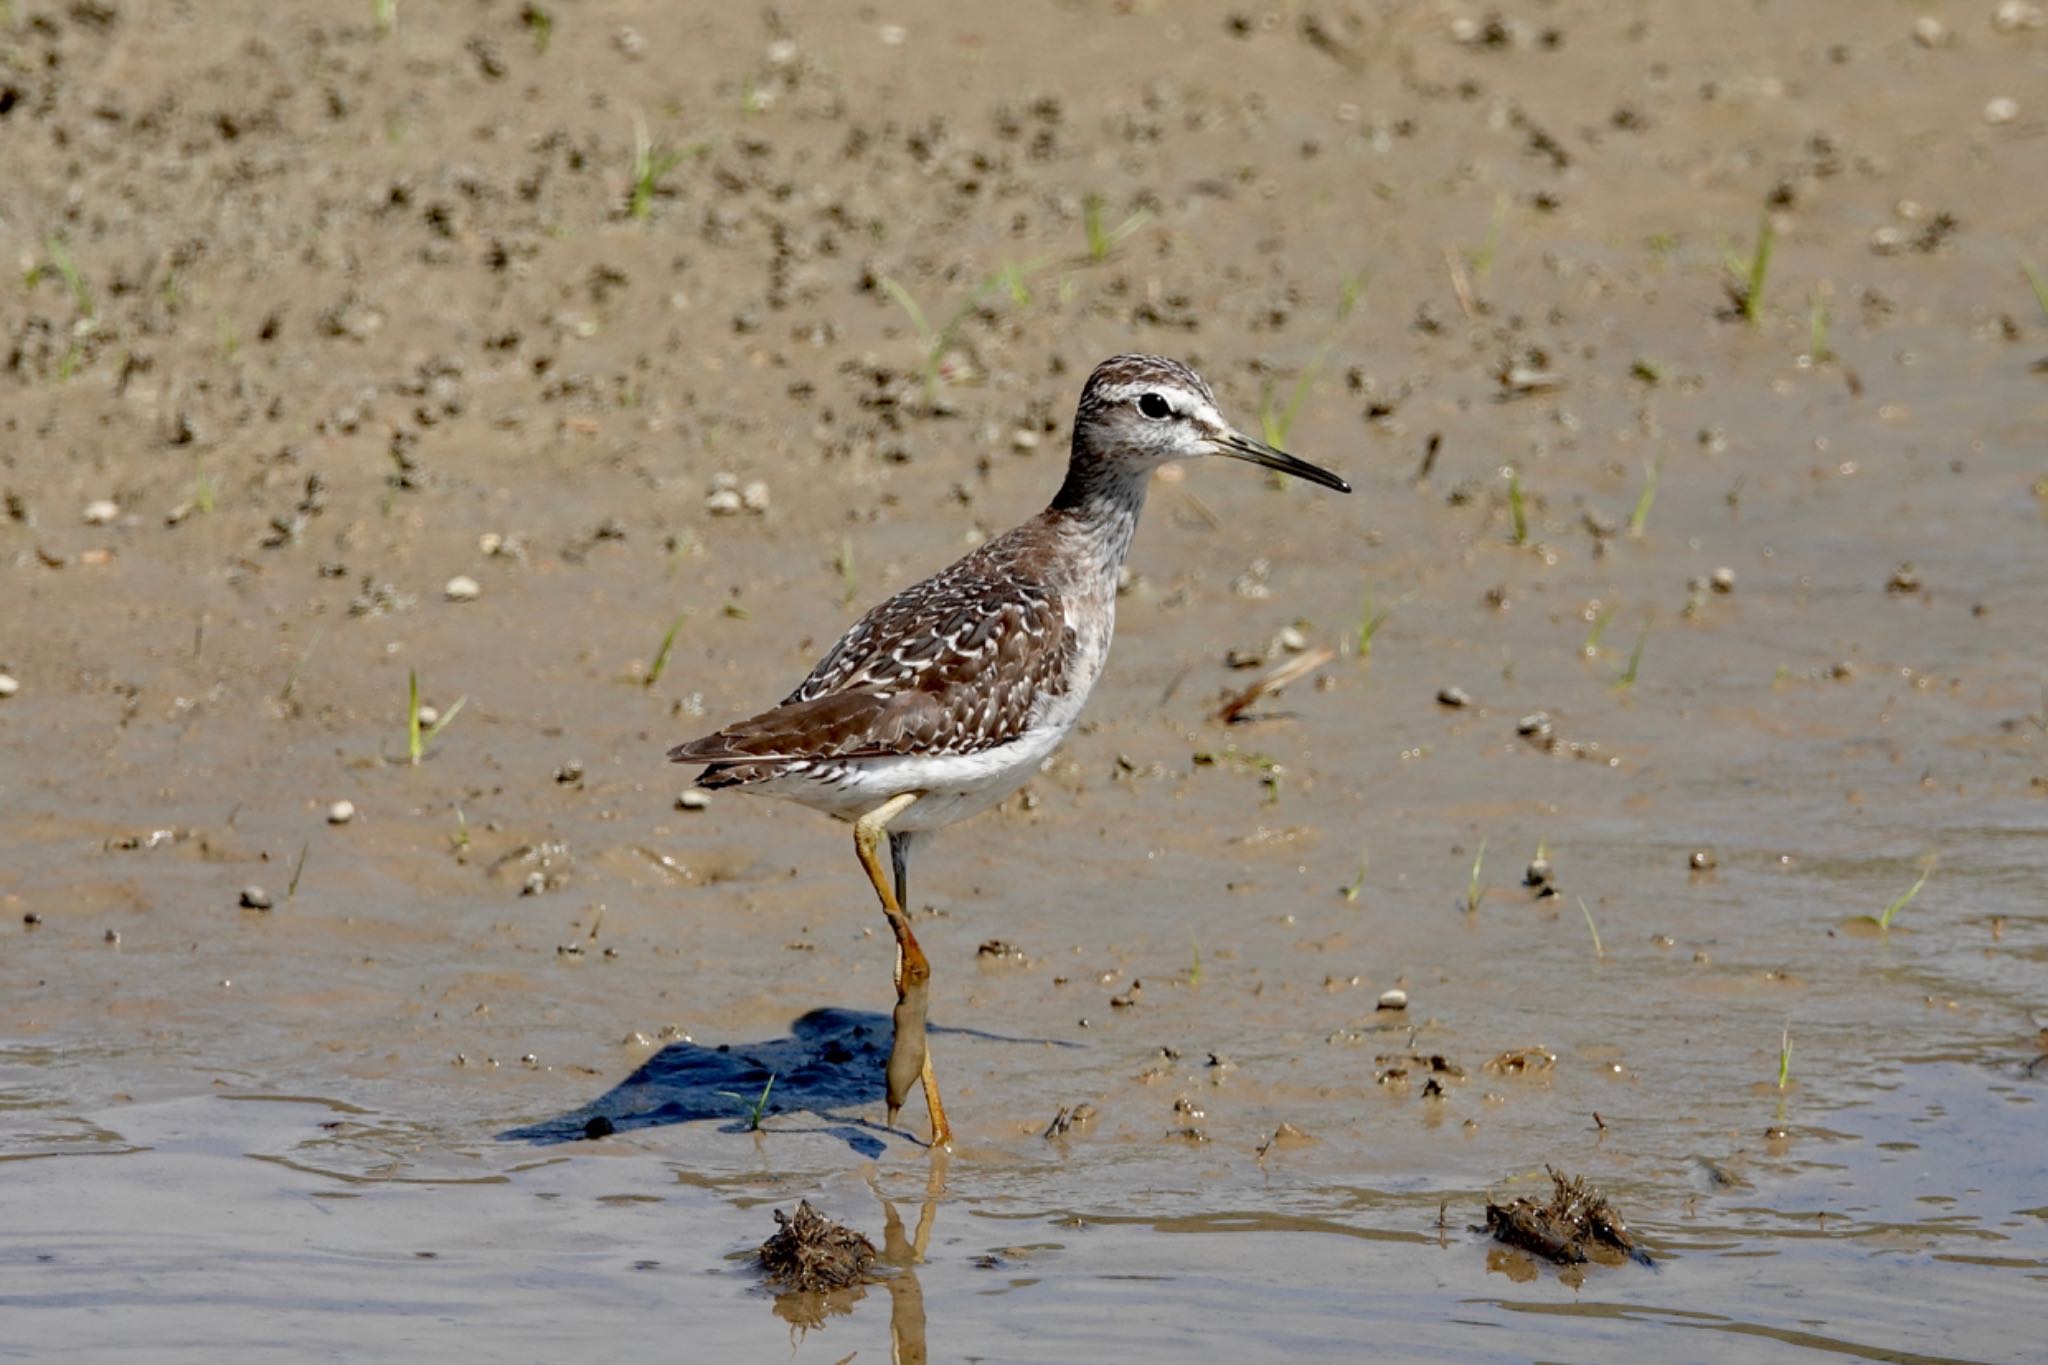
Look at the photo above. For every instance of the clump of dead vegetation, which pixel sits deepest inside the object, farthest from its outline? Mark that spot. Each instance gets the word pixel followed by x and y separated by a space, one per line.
pixel 810 1252
pixel 1575 1224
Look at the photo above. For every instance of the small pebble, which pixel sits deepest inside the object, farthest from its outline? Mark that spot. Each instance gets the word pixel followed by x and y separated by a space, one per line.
pixel 1292 640
pixel 1929 31
pixel 1540 873
pixel 255 898
pixel 1703 860
pixel 754 497
pixel 1453 697
pixel 1535 725
pixel 696 798
pixel 113 936
pixel 2003 109
pixel 1023 442
pixel 2013 15
pixel 572 771
pixel 723 502
pixel 429 716
pixel 9 684
pixel 462 588
pixel 1723 580
pixel 341 812
pixel 32 919
pixel 1904 579
pixel 101 511
pixel 1394 999
pixel 490 543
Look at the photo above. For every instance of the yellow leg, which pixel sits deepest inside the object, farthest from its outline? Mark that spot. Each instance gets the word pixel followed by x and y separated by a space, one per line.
pixel 909 1057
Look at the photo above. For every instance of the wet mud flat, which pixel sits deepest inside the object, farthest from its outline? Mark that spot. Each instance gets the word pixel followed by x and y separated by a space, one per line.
pixel 1689 371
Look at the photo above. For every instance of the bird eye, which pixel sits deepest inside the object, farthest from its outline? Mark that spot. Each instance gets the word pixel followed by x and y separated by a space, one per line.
pixel 1155 407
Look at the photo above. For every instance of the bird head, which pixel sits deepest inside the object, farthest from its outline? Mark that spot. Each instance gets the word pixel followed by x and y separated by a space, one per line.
pixel 1145 410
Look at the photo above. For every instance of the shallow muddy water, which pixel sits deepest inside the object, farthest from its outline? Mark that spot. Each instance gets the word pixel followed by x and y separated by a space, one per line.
pixel 478 1083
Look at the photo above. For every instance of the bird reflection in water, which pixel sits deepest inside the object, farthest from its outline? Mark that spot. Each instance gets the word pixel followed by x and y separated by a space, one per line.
pixel 902 1251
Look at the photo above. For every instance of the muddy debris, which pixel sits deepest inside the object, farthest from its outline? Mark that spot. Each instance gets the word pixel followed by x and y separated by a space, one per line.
pixel 1575 1225
pixel 999 952
pixel 1520 1061
pixel 809 1252
pixel 1070 1118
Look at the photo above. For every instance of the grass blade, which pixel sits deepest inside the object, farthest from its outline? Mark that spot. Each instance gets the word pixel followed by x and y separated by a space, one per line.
pixel 1884 921
pixel 2039 282
pixel 413 746
pixel 1472 892
pixel 668 643
pixel 1640 517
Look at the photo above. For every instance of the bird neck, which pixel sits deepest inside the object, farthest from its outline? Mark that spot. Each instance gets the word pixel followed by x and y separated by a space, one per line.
pixel 1099 505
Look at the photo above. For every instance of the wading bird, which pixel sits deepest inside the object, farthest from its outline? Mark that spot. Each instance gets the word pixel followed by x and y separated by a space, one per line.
pixel 944 699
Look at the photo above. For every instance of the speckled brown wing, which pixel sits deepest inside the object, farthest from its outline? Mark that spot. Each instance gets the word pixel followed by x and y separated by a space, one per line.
pixel 953 665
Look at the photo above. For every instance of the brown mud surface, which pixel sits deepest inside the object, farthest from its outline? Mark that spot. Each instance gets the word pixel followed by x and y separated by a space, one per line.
pixel 332 317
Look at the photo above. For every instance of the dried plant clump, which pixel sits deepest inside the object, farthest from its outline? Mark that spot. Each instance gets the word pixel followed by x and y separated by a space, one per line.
pixel 811 1252
pixel 1575 1218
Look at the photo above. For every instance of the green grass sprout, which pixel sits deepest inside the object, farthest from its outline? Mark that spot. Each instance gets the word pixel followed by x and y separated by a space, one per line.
pixel 1103 239
pixel 1369 623
pixel 1472 891
pixel 1591 648
pixel 1627 678
pixel 1275 423
pixel 1195 970
pixel 1884 921
pixel 1754 271
pixel 652 162
pixel 204 486
pixel 937 342
pixel 2039 282
pixel 755 1107
pixel 1481 260
pixel 1592 929
pixel 540 24
pixel 1351 290
pixel 1517 510
pixel 417 738
pixel 1352 891
pixel 1818 323
pixel 1785 1056
pixel 668 643
pixel 291 682
pixel 1653 470
pixel 67 270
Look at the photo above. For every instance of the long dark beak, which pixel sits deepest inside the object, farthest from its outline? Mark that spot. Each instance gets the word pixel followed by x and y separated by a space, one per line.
pixel 1239 446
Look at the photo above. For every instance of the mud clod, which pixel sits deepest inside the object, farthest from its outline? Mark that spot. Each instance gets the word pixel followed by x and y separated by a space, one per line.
pixel 1575 1225
pixel 811 1252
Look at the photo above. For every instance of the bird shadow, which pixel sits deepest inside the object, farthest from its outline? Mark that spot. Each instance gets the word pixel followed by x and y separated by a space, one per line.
pixel 831 1062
